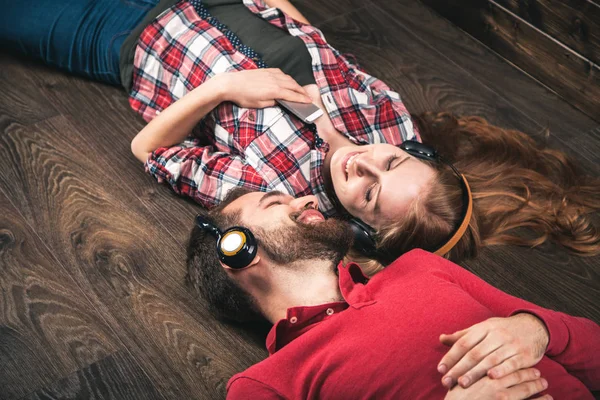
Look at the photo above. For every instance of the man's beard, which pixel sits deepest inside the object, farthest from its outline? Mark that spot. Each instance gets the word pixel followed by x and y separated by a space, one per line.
pixel 328 240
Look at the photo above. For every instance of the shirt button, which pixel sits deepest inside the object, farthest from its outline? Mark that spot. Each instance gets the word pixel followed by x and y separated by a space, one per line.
pixel 293 320
pixel 329 311
pixel 251 116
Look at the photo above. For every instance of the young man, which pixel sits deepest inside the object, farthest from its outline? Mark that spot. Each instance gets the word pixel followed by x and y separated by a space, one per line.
pixel 337 334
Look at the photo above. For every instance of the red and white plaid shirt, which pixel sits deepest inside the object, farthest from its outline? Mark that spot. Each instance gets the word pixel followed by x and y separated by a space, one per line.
pixel 262 149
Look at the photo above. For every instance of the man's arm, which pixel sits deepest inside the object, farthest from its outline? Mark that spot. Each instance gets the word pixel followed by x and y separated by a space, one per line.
pixel 288 8
pixel 573 342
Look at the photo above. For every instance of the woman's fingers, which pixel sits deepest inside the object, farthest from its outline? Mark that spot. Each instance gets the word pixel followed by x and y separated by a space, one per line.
pixel 290 95
pixel 288 83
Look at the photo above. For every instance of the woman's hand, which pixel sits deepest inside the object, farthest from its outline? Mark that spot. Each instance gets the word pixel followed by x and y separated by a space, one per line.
pixel 258 88
pixel 518 385
pixel 496 347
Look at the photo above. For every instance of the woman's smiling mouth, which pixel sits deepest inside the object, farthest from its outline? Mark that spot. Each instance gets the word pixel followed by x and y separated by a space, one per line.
pixel 347 161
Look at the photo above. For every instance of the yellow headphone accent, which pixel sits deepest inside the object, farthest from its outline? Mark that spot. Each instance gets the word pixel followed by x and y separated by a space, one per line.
pixel 234 237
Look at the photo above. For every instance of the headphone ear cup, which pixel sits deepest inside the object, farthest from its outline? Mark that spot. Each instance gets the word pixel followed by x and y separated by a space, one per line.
pixel 237 247
pixel 364 237
pixel 419 150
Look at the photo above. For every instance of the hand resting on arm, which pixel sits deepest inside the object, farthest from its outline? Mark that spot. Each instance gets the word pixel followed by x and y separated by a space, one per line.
pixel 250 89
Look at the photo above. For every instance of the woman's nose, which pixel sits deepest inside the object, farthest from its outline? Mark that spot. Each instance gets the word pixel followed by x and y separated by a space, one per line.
pixel 365 167
pixel 301 203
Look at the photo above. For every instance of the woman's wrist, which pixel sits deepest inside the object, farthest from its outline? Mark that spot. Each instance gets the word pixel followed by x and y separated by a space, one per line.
pixel 219 87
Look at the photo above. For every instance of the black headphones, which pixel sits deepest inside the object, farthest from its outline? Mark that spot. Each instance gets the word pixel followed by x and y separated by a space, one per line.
pixel 365 236
pixel 236 247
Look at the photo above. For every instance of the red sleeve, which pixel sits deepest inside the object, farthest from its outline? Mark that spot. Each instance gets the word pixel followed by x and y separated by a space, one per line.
pixel 574 342
pixel 202 174
pixel 243 388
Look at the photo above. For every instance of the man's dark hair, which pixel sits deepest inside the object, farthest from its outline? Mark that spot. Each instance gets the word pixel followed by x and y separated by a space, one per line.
pixel 225 298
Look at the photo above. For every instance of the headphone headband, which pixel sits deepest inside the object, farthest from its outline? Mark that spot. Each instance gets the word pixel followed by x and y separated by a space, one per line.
pixel 466 217
pixel 425 152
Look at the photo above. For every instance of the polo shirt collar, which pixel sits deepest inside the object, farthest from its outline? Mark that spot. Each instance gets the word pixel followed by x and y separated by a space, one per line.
pixel 300 320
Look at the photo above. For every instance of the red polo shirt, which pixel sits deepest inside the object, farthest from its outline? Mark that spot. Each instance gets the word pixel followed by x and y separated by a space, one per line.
pixel 382 341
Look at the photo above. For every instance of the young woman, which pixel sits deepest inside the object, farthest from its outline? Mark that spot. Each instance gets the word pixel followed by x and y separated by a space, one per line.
pixel 206 75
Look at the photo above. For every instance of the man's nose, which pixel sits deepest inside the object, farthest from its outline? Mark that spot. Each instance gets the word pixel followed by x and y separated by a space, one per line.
pixel 301 203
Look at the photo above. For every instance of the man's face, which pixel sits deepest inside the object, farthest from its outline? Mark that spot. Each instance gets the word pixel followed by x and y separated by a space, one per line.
pixel 292 229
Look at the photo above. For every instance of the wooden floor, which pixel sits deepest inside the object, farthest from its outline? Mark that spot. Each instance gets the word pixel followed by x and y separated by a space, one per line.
pixel 91 249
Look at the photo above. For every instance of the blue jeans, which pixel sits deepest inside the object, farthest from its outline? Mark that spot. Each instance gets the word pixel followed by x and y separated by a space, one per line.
pixel 81 36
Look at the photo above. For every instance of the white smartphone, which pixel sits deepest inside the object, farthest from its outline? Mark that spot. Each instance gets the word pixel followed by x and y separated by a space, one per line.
pixel 307 112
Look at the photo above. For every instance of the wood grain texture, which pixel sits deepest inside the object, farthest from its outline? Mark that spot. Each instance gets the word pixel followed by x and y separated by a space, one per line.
pixel 122 257
pixel 575 23
pixel 114 377
pixel 571 75
pixel 20 97
pixel 48 328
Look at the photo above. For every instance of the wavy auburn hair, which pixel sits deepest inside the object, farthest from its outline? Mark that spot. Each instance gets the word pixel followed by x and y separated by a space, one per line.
pixel 523 194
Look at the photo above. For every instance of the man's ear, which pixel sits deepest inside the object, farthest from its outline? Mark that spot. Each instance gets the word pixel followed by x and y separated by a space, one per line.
pixel 254 262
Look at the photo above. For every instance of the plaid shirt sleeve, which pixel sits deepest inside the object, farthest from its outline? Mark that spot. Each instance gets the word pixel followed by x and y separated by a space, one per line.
pixel 201 173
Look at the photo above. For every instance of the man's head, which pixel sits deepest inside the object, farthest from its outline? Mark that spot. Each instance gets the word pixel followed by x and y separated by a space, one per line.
pixel 295 243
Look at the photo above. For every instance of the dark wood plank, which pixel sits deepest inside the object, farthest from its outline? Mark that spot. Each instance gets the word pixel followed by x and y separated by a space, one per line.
pixel 571 75
pixel 123 258
pixel 110 135
pixel 48 328
pixel 114 377
pixel 547 276
pixel 319 12
pixel 575 23
pixel 20 98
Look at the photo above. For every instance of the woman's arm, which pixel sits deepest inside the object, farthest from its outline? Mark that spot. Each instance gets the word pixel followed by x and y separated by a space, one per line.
pixel 288 8
pixel 176 122
pixel 251 89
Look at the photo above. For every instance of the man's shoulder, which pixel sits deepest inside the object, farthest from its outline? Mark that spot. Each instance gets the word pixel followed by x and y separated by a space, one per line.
pixel 248 384
pixel 414 262
pixel 242 386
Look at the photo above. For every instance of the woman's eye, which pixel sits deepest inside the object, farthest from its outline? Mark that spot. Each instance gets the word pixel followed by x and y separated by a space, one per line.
pixel 390 162
pixel 368 193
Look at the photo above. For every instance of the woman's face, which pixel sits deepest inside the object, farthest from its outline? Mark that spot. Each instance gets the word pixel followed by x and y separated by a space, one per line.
pixel 378 182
